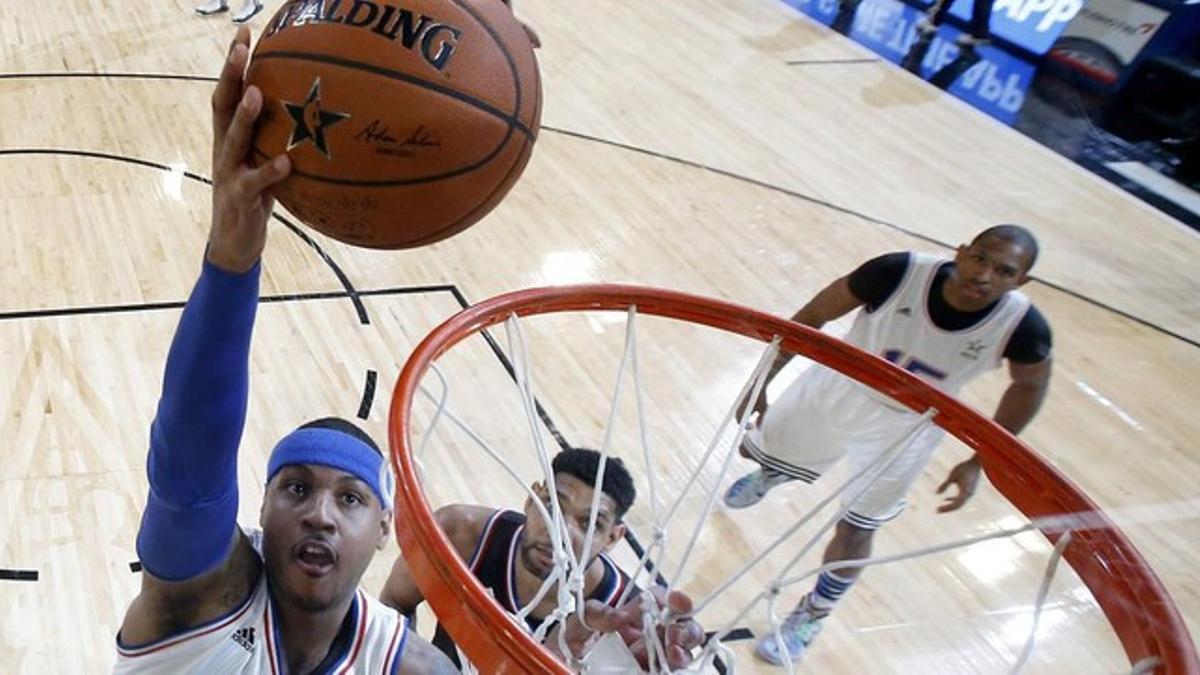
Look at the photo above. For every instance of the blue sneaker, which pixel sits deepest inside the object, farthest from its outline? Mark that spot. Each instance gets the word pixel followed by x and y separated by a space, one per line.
pixel 798 632
pixel 751 488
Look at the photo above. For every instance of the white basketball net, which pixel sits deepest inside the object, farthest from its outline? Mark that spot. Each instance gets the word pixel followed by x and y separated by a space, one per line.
pixel 609 655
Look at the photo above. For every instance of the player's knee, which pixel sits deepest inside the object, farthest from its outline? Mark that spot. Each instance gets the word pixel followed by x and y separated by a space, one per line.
pixel 854 534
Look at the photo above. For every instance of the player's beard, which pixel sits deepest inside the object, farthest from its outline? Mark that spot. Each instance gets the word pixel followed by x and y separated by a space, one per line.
pixel 286 584
pixel 534 562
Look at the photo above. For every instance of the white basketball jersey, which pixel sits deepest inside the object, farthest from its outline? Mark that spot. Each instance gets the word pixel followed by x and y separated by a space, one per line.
pixel 901 331
pixel 246 641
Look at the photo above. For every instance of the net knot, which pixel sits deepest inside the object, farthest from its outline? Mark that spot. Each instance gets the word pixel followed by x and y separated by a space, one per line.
pixel 575 581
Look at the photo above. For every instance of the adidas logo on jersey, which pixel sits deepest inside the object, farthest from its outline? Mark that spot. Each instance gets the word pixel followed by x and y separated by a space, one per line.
pixel 244 637
pixel 973 350
pixel 904 311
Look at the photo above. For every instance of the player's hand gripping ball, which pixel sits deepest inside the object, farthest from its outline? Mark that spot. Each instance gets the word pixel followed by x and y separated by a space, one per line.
pixel 406 120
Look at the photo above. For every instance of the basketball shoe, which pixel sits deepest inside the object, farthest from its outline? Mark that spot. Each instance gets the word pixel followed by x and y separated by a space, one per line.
pixel 798 631
pixel 751 488
pixel 248 11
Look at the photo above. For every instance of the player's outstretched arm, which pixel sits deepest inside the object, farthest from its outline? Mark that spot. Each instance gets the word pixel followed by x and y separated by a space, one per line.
pixel 400 592
pixel 832 302
pixel 1018 406
pixel 462 524
pixel 196 564
pixel 1024 395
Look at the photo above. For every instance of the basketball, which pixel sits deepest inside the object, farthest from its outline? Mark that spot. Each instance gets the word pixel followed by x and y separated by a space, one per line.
pixel 406 122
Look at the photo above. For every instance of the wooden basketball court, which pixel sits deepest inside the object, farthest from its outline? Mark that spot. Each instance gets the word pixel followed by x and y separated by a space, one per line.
pixel 678 150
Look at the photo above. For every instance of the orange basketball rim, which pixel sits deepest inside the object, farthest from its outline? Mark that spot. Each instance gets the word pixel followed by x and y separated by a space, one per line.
pixel 1127 590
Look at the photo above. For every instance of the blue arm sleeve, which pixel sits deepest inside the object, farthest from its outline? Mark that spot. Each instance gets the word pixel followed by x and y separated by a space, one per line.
pixel 191 513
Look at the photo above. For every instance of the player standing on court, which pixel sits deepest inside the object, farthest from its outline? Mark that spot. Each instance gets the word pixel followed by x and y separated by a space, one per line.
pixel 250 9
pixel 946 321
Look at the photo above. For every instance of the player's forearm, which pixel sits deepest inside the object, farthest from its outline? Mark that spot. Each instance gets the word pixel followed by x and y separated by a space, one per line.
pixel 810 316
pixel 205 384
pixel 805 316
pixel 1019 404
pixel 192 466
pixel 781 360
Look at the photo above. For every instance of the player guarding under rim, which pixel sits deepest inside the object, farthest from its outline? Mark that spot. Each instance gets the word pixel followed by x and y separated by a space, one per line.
pixel 511 554
pixel 944 320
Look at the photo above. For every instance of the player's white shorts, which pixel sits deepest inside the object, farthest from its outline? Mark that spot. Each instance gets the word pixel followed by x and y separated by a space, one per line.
pixel 824 416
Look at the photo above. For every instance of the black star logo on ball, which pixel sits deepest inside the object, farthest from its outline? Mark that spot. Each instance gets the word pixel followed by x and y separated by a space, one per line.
pixel 311 121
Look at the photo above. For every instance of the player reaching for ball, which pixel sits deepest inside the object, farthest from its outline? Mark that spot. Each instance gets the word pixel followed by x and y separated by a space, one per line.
pixel 219 598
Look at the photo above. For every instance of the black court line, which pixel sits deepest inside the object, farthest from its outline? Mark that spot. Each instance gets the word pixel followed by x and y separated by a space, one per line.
pixel 368 397
pixel 830 62
pixel 18 575
pixel 735 635
pixel 359 308
pixel 745 179
pixel 685 162
pixel 178 304
pixel 871 219
pixel 112 76
pixel 94 154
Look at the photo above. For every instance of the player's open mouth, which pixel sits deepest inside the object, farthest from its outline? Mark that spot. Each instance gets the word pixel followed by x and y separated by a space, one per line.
pixel 314 558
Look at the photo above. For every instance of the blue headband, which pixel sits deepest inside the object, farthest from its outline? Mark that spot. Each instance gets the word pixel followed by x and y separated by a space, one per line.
pixel 337 450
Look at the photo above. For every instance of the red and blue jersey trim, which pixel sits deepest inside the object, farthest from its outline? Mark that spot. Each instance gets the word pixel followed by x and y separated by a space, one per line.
pixel 395 652
pixel 232 617
pixel 360 632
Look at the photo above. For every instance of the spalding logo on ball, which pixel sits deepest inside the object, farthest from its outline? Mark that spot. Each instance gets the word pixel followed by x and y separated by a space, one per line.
pixel 406 123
